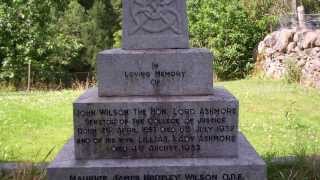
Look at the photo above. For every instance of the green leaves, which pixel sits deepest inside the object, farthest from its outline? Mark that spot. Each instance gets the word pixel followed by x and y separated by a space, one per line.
pixel 226 28
pixel 311 6
pixel 59 37
pixel 22 37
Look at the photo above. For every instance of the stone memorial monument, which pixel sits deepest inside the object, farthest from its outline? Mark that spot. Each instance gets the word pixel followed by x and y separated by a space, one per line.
pixel 155 114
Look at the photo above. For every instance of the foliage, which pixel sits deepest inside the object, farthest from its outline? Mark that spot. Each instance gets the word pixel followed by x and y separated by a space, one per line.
pixel 259 8
pixel 226 29
pixel 297 167
pixel 27 35
pixel 25 171
pixel 265 13
pixel 311 6
pixel 58 37
pixel 87 4
pixel 63 37
pixel 293 71
pixel 97 33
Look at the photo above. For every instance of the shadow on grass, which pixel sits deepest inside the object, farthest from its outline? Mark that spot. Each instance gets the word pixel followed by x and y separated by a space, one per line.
pixel 298 167
pixel 26 171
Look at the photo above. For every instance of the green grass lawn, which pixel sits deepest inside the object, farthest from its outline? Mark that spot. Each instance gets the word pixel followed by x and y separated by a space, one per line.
pixel 31 124
pixel 276 118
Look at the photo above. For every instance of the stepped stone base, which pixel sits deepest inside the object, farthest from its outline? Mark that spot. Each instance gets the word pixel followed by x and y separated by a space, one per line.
pixel 248 166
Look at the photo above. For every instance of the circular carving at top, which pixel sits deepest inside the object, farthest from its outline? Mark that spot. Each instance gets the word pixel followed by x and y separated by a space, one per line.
pixel 154 16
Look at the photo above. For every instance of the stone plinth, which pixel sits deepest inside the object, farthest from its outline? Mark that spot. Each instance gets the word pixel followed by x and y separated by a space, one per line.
pixel 248 166
pixel 154 24
pixel 156 127
pixel 155 72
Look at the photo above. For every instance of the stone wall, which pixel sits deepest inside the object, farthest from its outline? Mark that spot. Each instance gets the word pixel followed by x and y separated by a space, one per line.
pixel 301 45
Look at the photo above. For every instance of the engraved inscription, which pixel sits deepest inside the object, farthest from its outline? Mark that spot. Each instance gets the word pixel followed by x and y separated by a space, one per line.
pixel 161 129
pixel 211 176
pixel 154 16
pixel 155 76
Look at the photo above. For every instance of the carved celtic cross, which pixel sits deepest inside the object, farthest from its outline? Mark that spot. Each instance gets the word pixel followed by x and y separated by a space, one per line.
pixel 154 24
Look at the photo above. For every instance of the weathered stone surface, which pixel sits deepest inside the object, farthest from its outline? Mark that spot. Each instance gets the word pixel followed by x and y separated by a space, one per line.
pixel 303 48
pixel 155 72
pixel 155 115
pixel 285 36
pixel 156 127
pixel 291 47
pixel 154 24
pixel 311 73
pixel 248 166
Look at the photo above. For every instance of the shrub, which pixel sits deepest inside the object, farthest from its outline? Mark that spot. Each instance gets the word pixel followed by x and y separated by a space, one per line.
pixel 225 28
pixel 311 6
pixel 28 35
pixel 57 37
pixel 293 71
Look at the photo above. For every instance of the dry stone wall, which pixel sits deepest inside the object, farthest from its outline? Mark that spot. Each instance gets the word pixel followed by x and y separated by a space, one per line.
pixel 301 45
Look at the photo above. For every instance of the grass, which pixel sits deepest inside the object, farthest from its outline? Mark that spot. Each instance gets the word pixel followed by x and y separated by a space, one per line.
pixel 303 167
pixel 279 119
pixel 25 171
pixel 31 124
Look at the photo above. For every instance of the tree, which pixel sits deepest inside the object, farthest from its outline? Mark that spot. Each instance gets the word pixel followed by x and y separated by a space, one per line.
pixel 311 6
pixel 97 28
pixel 28 34
pixel 103 21
pixel 87 4
pixel 58 37
pixel 226 29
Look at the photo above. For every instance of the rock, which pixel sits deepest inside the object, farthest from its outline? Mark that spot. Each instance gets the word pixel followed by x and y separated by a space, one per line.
pixel 296 37
pixel 297 49
pixel 291 47
pixel 311 73
pixel 271 40
pixel 274 67
pixel 302 45
pixel 317 42
pixel 269 52
pixel 315 51
pixel 316 64
pixel 281 58
pixel 301 63
pixel 310 39
pixel 299 37
pixel 284 38
pixel 261 47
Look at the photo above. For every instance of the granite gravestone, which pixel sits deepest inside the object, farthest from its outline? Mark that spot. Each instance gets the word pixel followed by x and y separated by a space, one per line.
pixel 155 114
